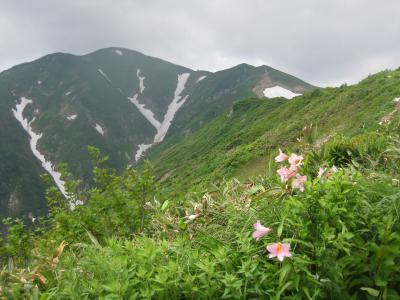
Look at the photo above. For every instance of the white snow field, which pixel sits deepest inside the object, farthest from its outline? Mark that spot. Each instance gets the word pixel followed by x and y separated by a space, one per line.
pixel 104 75
pixel 99 129
pixel 173 107
pixel 141 81
pixel 147 113
pixel 119 52
pixel 72 117
pixel 47 165
pixel 142 149
pixel 278 91
pixel 201 78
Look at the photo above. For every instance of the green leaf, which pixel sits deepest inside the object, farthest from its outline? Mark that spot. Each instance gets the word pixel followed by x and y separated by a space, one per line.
pixel 93 239
pixel 380 282
pixel 280 228
pixel 287 284
pixel 165 206
pixel 35 293
pixel 307 244
pixel 182 225
pixel 371 291
pixel 284 271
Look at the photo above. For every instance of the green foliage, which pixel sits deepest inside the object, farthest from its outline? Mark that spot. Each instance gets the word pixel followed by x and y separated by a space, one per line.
pixel 343 231
pixel 117 205
pixel 242 141
pixel 96 88
pixel 18 242
pixel 343 150
pixel 135 238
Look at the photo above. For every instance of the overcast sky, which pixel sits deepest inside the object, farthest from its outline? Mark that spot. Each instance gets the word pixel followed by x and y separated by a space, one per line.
pixel 323 42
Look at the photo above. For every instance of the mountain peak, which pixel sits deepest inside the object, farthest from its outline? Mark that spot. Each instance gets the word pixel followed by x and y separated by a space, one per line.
pixel 115 50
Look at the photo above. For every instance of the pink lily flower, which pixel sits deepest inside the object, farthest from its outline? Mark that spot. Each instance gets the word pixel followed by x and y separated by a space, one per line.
pixel 333 170
pixel 279 250
pixel 298 182
pixel 293 168
pixel 296 160
pixel 281 157
pixel 321 172
pixel 286 174
pixel 260 230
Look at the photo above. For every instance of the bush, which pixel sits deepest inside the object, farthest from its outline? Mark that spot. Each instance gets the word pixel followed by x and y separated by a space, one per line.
pixel 344 236
pixel 127 243
pixel 342 151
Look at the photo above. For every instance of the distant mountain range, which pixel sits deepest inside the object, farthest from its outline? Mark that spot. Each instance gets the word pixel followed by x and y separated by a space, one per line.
pixel 121 101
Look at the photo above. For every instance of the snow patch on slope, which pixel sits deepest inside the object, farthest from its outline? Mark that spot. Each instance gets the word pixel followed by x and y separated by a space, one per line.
pixel 141 81
pixel 278 91
pixel 99 129
pixel 47 165
pixel 118 52
pixel 201 78
pixel 68 93
pixel 104 75
pixel 72 117
pixel 142 149
pixel 173 107
pixel 147 113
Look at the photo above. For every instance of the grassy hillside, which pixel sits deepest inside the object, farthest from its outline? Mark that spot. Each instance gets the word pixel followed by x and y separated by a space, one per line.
pixel 133 241
pixel 335 235
pixel 218 91
pixel 114 99
pixel 240 142
pixel 61 85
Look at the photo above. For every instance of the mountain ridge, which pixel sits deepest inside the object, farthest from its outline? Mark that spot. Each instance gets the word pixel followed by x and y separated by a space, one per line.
pixel 118 100
pixel 319 180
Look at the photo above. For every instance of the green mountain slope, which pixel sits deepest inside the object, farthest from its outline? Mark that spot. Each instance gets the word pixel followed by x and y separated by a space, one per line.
pixel 218 91
pixel 63 87
pixel 21 188
pixel 242 141
pixel 118 100
pixel 334 235
pixel 159 76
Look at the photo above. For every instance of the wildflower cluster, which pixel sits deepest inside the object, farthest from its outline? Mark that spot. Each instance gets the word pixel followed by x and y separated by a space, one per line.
pixel 292 173
pixel 278 250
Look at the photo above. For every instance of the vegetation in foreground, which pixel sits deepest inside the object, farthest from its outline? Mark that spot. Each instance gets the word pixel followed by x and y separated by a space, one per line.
pixel 322 222
pixel 241 142
pixel 335 234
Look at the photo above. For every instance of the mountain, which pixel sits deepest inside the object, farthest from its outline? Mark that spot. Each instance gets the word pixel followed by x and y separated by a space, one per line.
pixel 118 100
pixel 241 142
pixel 319 221
pixel 218 91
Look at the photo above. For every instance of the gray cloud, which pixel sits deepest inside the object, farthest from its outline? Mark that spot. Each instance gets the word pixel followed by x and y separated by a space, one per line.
pixel 323 42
